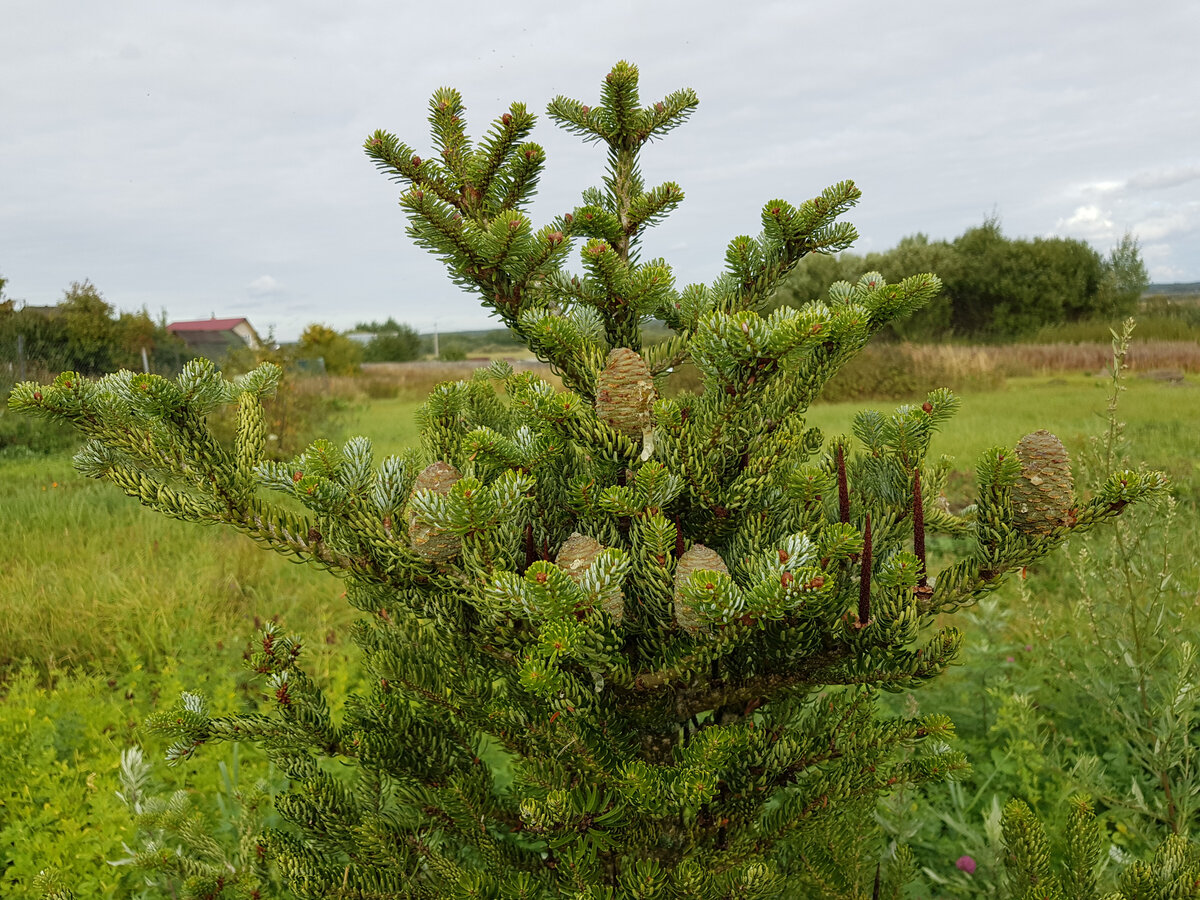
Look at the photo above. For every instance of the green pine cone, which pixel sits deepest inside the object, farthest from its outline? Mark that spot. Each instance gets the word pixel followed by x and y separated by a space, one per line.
pixel 1044 493
pixel 625 393
pixel 428 541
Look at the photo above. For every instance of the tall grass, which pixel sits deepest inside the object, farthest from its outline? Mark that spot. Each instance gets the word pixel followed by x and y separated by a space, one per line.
pixel 89 578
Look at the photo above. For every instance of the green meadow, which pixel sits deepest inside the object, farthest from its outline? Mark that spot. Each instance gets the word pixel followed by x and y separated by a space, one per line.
pixel 107 610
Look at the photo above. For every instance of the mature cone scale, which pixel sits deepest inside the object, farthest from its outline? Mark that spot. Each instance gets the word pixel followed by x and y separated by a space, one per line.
pixel 575 556
pixel 428 541
pixel 625 393
pixel 1044 492
pixel 698 559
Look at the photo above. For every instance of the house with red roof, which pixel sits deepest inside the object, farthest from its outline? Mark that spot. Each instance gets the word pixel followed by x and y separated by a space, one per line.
pixel 215 337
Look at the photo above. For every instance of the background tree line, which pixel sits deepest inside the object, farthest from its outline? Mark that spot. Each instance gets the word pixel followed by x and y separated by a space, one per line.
pixel 83 332
pixel 995 287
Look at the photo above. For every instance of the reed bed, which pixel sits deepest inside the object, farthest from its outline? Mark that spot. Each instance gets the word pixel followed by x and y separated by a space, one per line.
pixel 1039 359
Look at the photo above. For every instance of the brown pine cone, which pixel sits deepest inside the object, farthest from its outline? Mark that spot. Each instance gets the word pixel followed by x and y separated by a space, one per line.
pixel 698 559
pixel 575 556
pixel 625 393
pixel 428 541
pixel 1044 492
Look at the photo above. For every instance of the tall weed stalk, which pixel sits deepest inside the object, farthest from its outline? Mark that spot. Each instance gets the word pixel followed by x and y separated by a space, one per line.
pixel 1120 666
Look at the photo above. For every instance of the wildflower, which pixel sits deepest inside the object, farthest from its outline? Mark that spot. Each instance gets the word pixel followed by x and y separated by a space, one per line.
pixel 965 864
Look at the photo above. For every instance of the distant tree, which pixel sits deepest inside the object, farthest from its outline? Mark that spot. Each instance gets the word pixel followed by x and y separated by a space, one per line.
pixel 452 351
pixel 393 347
pixel 1125 277
pixel 1003 288
pixel 342 355
pixel 400 343
pixel 90 329
pixel 993 286
pixel 913 255
pixel 811 278
pixel 380 327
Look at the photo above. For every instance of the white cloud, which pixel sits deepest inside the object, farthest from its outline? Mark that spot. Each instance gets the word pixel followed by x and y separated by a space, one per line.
pixel 263 286
pixel 1089 222
pixel 1102 187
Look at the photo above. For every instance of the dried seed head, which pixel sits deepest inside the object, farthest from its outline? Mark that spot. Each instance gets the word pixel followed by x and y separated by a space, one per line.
pixel 1044 492
pixel 698 559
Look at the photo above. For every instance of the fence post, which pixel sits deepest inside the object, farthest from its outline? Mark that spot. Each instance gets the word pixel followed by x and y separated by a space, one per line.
pixel 20 357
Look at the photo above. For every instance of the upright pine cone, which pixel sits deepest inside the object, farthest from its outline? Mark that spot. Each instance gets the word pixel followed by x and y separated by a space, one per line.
pixel 1043 494
pixel 428 541
pixel 697 559
pixel 575 557
pixel 625 393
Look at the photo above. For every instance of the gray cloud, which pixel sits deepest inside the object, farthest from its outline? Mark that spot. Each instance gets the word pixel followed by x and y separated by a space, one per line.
pixel 176 153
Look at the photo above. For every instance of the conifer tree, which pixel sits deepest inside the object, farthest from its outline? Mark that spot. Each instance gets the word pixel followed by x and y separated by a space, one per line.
pixel 620 643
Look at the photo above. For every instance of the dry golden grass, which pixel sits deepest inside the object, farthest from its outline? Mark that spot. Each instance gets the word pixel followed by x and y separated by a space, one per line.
pixel 1045 359
pixel 383 380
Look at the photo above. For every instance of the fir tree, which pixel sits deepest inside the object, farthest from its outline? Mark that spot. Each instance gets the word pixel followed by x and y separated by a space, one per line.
pixel 621 644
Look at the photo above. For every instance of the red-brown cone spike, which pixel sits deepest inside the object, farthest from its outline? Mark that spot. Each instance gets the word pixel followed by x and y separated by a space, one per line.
pixel 843 488
pixel 698 559
pixel 1043 493
pixel 575 556
pixel 625 393
pixel 864 581
pixel 918 516
pixel 428 541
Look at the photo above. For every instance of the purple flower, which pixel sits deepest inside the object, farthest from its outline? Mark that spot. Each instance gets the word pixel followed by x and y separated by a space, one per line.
pixel 1006 659
pixel 965 864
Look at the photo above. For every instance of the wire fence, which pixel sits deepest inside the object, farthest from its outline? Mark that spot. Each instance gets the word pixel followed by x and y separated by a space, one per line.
pixel 29 357
pixel 26 358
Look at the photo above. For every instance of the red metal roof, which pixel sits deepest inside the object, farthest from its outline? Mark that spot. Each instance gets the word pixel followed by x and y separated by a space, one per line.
pixel 206 325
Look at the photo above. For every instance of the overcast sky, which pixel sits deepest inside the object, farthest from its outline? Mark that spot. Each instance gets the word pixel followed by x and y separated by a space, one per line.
pixel 205 158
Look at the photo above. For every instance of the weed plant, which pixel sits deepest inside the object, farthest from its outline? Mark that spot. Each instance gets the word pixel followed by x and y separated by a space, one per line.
pixel 1080 678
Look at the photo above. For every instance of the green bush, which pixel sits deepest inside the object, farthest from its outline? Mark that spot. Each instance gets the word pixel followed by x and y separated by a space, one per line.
pixel 58 786
pixel 401 345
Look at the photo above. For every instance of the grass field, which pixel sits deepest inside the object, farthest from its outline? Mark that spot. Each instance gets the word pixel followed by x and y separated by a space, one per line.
pixel 108 609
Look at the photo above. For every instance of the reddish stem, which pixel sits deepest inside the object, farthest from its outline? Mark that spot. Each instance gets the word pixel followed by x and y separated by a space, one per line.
pixel 530 547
